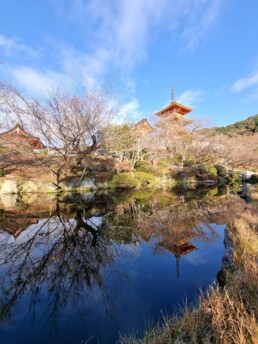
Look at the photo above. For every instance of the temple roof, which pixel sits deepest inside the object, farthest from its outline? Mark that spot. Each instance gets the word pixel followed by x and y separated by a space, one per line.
pixel 176 108
pixel 17 135
pixel 178 250
pixel 17 129
pixel 143 126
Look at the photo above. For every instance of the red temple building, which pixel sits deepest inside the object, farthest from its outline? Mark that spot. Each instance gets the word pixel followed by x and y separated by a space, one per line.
pixel 17 136
pixel 175 111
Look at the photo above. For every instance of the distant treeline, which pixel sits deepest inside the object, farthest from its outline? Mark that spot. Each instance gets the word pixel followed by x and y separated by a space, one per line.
pixel 245 127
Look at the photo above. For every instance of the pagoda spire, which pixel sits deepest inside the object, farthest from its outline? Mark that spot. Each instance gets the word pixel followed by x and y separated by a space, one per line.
pixel 173 93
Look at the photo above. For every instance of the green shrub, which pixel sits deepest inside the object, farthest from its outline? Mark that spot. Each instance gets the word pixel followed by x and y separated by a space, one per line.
pixel 143 196
pixel 235 175
pixel 221 171
pixel 235 186
pixel 163 163
pixel 144 166
pixel 2 172
pixel 213 192
pixel 145 179
pixel 124 181
pixel 202 170
pixel 213 170
pixel 221 181
pixel 42 153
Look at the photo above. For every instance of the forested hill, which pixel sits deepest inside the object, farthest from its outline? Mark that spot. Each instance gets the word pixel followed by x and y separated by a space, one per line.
pixel 245 127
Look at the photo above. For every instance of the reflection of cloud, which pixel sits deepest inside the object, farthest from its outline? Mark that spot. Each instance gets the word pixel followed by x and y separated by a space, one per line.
pixel 196 258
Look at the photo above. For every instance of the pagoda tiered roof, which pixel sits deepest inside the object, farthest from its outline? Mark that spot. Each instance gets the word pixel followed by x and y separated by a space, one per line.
pixel 176 108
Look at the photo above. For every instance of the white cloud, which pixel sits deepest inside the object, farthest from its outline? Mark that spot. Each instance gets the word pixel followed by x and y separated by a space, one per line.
pixel 39 83
pixel 12 46
pixel 128 112
pixel 115 37
pixel 246 82
pixel 201 17
pixel 122 29
pixel 190 98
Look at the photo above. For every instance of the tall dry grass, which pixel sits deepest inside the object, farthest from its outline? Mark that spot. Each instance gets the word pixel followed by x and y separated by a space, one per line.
pixel 225 316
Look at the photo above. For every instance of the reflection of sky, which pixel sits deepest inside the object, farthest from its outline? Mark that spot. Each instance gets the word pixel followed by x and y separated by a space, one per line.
pixel 203 256
pixel 139 286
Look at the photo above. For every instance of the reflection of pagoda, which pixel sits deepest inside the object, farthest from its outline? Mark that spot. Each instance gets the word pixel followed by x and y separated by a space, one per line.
pixel 173 234
pixel 178 243
pixel 178 251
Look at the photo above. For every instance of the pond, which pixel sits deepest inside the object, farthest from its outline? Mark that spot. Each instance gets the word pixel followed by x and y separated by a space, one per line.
pixel 89 268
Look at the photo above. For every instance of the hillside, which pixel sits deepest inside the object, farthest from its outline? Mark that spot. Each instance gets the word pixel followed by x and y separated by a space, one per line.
pixel 245 127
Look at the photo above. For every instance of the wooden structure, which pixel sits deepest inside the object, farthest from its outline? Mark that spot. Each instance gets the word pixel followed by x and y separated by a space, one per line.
pixel 174 108
pixel 175 111
pixel 17 137
pixel 143 127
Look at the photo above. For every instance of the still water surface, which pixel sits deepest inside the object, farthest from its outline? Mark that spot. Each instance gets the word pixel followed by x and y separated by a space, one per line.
pixel 89 268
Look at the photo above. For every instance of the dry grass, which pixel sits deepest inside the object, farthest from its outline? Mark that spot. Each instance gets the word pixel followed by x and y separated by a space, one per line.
pixel 223 316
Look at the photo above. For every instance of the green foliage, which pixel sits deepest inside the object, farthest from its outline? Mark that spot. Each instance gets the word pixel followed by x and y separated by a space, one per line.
pixel 123 181
pixel 2 172
pixel 213 170
pixel 235 186
pixel 143 196
pixel 122 197
pixel 144 166
pixel 221 170
pixel 145 179
pixel 248 125
pixel 213 192
pixel 163 163
pixel 42 153
pixel 118 139
pixel 235 175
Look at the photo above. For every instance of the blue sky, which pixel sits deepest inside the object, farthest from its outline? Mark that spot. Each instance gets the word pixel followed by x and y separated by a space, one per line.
pixel 208 48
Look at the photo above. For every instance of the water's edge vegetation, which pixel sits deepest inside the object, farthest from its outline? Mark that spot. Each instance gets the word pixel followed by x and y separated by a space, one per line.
pixel 227 313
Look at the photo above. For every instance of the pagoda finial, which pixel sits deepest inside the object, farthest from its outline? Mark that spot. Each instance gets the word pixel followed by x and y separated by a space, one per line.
pixel 173 93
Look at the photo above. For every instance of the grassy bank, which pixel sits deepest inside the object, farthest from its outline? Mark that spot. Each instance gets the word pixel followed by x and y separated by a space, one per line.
pixel 228 315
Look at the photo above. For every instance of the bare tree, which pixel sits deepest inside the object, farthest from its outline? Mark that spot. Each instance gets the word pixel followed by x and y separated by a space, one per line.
pixel 69 126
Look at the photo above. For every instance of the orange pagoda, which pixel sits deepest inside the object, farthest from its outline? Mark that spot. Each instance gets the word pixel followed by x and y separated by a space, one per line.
pixel 175 110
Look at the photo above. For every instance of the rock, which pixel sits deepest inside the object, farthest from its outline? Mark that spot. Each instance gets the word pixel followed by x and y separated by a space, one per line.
pixel 76 183
pixel 29 187
pixel 210 182
pixel 88 183
pixel 9 187
pixel 48 187
pixel 8 201
pixel 228 257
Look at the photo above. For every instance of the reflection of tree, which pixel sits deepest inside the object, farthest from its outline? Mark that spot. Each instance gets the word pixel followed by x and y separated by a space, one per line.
pixel 63 254
pixel 67 252
pixel 173 224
